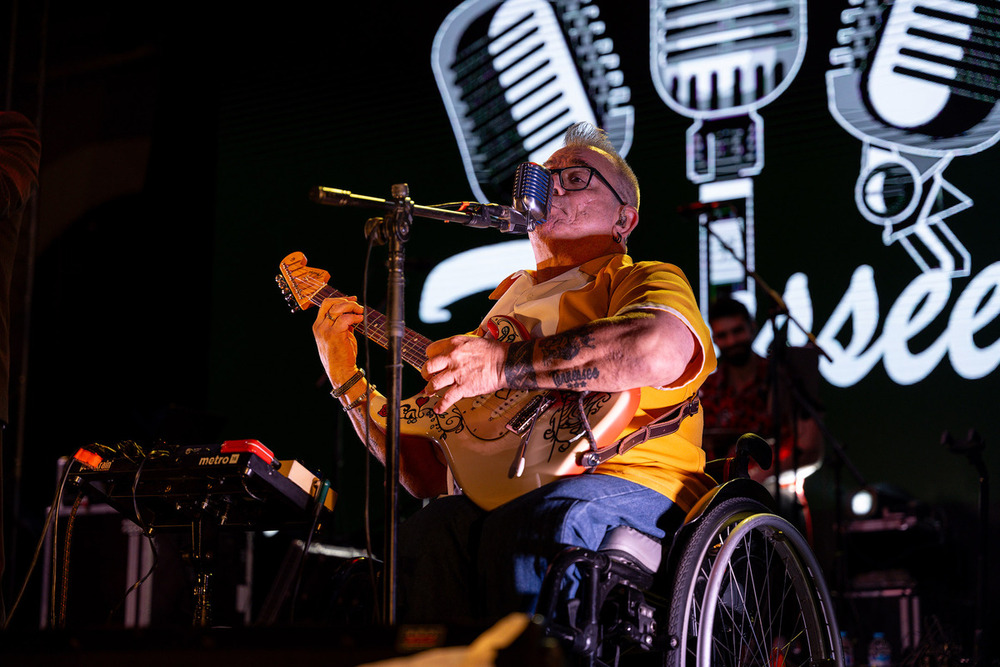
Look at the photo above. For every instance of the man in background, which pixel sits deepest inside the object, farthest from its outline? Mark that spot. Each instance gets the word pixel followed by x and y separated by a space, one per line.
pixel 739 398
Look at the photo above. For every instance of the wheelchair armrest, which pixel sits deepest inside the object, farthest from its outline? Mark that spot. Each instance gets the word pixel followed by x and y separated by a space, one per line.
pixel 750 445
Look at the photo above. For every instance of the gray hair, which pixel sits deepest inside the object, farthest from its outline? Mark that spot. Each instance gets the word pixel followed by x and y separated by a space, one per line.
pixel 585 135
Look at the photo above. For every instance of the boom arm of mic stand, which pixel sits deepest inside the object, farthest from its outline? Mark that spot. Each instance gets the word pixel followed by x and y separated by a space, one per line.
pixel 495 216
pixel 335 197
pixel 775 297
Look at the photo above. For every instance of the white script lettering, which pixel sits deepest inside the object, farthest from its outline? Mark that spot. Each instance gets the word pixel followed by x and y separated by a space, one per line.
pixel 922 302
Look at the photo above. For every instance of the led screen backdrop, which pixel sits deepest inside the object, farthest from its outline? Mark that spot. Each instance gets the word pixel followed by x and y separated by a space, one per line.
pixel 844 150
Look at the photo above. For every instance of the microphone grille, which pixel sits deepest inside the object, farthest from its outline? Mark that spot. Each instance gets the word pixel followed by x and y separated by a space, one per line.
pixel 533 190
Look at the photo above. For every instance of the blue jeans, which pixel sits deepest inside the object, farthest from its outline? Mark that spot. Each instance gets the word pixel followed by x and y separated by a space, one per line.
pixel 460 564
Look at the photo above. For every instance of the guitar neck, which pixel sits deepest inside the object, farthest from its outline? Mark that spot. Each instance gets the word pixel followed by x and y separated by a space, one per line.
pixel 414 345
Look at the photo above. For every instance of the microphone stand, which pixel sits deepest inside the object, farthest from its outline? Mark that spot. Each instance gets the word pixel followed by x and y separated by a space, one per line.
pixel 778 357
pixel 394 229
pixel 842 460
pixel 973 448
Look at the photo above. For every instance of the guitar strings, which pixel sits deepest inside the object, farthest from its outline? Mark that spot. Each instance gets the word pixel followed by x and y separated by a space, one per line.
pixel 376 321
pixel 414 345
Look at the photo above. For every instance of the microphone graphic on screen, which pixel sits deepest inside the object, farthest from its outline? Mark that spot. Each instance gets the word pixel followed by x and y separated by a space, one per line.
pixel 718 62
pixel 917 81
pixel 515 74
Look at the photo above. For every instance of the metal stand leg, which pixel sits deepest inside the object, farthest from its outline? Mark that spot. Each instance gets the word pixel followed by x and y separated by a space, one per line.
pixel 202 600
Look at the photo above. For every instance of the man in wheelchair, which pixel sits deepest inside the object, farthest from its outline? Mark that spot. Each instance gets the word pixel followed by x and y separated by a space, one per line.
pixel 589 320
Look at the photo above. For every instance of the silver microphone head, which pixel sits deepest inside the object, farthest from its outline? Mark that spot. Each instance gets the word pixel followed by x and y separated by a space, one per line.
pixel 533 191
pixel 720 58
pixel 515 74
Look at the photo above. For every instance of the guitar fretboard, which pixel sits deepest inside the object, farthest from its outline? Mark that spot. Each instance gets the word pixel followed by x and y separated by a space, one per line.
pixel 414 345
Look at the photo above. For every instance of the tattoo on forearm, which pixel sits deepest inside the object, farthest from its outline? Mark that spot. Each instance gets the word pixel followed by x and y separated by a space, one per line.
pixel 575 378
pixel 566 346
pixel 517 368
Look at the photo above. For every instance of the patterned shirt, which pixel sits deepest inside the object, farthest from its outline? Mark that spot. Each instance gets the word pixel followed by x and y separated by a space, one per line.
pixel 742 411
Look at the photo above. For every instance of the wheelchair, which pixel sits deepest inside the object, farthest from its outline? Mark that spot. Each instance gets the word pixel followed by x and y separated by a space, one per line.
pixel 736 585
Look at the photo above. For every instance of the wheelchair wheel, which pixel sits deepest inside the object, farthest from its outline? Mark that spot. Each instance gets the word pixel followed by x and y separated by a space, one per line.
pixel 748 591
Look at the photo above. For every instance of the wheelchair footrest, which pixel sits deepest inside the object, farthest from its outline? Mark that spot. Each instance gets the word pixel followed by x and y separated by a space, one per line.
pixel 609 595
pixel 633 547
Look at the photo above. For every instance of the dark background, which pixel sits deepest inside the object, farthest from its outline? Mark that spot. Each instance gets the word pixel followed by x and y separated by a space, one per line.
pixel 178 151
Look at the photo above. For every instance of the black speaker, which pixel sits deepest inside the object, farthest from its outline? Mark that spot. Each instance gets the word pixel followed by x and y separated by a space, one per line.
pixel 108 554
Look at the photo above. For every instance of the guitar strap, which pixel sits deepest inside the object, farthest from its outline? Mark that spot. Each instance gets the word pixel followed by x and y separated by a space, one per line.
pixel 663 425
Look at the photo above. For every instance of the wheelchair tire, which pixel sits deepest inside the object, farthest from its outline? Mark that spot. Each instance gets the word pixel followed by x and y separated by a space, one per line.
pixel 748 591
pixel 691 575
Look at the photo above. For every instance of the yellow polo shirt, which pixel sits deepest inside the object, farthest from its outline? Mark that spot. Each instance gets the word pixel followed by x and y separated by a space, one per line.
pixel 613 285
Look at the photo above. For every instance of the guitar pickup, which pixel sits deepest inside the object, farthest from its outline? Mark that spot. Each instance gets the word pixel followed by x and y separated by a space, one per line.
pixel 537 405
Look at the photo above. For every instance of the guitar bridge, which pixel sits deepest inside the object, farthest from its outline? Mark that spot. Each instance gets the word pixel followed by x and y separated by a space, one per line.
pixel 537 405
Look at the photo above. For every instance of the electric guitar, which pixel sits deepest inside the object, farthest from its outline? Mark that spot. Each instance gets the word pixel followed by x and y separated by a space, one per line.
pixel 500 445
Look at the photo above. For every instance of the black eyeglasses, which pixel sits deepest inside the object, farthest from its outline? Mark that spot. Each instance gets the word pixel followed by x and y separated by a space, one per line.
pixel 578 178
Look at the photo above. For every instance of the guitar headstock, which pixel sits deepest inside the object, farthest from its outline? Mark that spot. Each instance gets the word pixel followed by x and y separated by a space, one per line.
pixel 299 282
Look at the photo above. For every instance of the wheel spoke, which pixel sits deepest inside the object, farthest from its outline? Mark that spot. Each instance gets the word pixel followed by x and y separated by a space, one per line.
pixel 748 592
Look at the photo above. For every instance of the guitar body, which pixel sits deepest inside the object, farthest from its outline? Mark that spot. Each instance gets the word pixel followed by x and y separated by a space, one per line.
pixel 498 446
pixel 481 437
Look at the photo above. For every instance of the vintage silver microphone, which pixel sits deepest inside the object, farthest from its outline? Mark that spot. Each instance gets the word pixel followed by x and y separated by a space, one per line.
pixel 917 81
pixel 532 198
pixel 533 192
